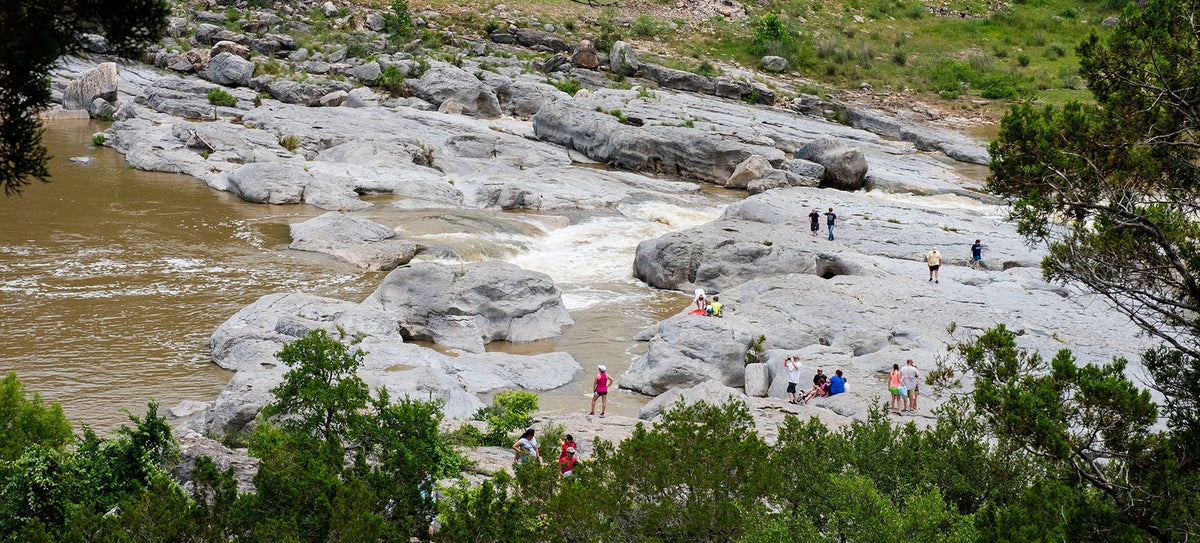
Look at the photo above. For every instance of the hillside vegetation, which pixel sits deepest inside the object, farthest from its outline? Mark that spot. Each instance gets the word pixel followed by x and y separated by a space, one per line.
pixel 959 50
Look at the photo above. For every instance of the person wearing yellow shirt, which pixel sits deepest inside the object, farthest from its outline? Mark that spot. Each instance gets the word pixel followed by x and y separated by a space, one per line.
pixel 934 259
pixel 714 309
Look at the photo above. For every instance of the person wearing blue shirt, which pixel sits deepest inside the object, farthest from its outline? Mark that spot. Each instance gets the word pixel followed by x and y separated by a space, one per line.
pixel 837 383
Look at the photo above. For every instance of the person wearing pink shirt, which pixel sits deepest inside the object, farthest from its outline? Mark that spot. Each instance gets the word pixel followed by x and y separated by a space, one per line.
pixel 600 390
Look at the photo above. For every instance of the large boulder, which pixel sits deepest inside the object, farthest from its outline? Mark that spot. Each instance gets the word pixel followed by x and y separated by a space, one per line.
pixel 444 82
pixel 690 349
pixel 666 150
pixel 758 379
pixel 355 240
pixel 541 40
pixel 585 56
pixel 845 166
pixel 99 82
pixel 622 60
pixel 307 93
pixel 711 392
pixel 748 170
pixel 772 63
pixel 677 79
pixel 523 100
pixel 229 69
pixel 465 306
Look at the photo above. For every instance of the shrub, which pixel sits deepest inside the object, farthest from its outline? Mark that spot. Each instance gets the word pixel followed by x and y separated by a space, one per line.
pixel 509 411
pixel 1055 51
pixel 646 26
pixel 1023 59
pixel 290 143
pixel 706 69
pixel 569 86
pixel 218 97
pixel 999 86
pixel 391 79
pixel 947 77
pixel 98 139
pixel 400 21
pixel 899 57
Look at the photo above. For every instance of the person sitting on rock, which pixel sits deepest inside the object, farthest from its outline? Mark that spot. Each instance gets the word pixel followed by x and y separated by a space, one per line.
pixel 837 383
pixel 819 388
pixel 714 309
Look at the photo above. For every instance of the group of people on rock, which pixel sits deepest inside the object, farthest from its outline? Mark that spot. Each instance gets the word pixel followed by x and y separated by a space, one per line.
pixel 814 221
pixel 526 449
pixel 905 384
pixel 822 386
pixel 703 306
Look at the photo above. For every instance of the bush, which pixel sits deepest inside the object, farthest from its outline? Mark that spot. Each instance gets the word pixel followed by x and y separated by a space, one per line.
pixel 98 139
pixel 290 143
pixel 218 97
pixel 391 79
pixel 569 86
pixel 948 76
pixel 400 21
pixel 646 26
pixel 1023 59
pixel 509 411
pixel 995 86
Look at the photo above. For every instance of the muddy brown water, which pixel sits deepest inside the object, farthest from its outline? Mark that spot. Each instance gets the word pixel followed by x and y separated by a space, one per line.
pixel 113 279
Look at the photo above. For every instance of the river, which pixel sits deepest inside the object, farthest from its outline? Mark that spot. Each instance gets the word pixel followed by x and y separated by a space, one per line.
pixel 113 279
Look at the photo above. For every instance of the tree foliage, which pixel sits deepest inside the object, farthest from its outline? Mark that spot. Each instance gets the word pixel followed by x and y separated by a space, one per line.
pixel 321 393
pixel 33 35
pixel 1113 190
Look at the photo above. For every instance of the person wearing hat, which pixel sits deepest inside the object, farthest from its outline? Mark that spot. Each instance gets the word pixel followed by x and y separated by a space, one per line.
pixel 934 259
pixel 568 463
pixel 600 390
pixel 567 443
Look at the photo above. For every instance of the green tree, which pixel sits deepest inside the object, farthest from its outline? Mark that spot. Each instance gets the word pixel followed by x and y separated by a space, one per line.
pixel 1091 426
pixel 27 421
pixel 33 35
pixel 321 393
pixel 1113 190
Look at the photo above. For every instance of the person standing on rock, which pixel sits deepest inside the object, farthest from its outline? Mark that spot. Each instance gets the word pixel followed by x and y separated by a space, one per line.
pixel 894 387
pixel 793 372
pixel 976 255
pixel 526 448
pixel 934 259
pixel 910 379
pixel 830 221
pixel 600 389
pixel 814 221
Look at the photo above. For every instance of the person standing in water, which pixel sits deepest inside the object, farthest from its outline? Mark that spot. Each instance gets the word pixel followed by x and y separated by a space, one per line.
pixel 600 390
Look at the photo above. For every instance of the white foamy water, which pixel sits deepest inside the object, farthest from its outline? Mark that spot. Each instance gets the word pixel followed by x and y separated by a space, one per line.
pixel 601 250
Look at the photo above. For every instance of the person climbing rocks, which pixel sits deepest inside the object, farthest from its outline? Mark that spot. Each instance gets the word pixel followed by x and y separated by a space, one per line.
pixel 700 300
pixel 934 259
pixel 600 390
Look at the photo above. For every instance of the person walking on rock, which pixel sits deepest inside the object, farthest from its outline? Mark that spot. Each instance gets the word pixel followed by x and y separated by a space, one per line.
pixel 600 390
pixel 934 259
pixel 976 255
pixel 814 221
pixel 792 366
pixel 910 379
pixel 830 221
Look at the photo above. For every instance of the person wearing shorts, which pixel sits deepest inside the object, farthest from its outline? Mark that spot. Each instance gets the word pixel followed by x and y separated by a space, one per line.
pixel 792 366
pixel 910 379
pixel 600 390
pixel 976 254
pixel 814 221
pixel 934 259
